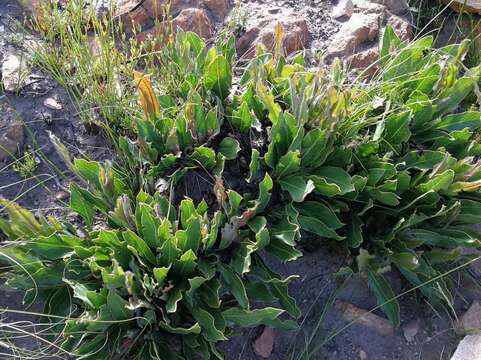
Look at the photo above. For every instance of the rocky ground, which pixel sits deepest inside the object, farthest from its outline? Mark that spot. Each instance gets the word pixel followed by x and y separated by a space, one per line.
pixel 33 106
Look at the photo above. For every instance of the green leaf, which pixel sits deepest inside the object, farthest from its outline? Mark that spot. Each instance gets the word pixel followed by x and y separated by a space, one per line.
pixel 331 181
pixel 253 166
pixel 321 212
pixel 218 76
pixel 186 264
pixel 174 296
pixel 288 164
pixel 149 226
pixel 235 285
pixel 160 274
pixel 168 252
pixel 242 118
pixel 205 156
pixel 229 147
pixel 207 323
pixel 385 297
pixel 470 120
pixel 80 206
pixel 140 246
pixel 194 329
pixel 314 148
pixel 405 260
pixel 439 182
pixel 89 170
pixel 397 130
pixel 297 187
pixel 317 227
pixel 252 318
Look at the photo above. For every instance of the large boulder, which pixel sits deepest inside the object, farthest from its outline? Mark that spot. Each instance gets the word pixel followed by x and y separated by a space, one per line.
pixel 470 6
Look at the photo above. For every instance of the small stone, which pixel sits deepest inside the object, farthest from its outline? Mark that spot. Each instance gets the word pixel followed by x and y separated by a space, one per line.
pixel 264 344
pixel 469 6
pixel 156 8
pixel 362 355
pixel 52 104
pixel 343 10
pixel 411 329
pixel 44 116
pixel 365 318
pixel 469 348
pixel 471 320
pixel 14 71
pixel 62 195
pixel 11 131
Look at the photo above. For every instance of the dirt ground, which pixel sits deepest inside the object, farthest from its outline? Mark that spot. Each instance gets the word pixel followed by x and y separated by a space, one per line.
pixel 435 338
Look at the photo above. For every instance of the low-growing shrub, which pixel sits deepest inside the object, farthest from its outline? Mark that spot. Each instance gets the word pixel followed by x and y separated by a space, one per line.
pixel 151 284
pixel 388 170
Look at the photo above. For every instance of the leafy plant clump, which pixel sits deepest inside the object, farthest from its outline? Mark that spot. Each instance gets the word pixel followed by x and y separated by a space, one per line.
pixel 389 171
pixel 150 285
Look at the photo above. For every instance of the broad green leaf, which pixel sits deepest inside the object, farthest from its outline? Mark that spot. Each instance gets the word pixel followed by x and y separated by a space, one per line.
pixel 229 147
pixel 80 206
pixel 253 166
pixel 218 76
pixel 205 156
pixel 317 227
pixel 321 212
pixel 297 187
pixel 439 182
pixel 234 284
pixel 331 181
pixel 140 246
pixel 160 274
pixel 470 120
pixel 149 226
pixel 207 323
pixel 314 148
pixel 242 118
pixel 288 164
pixel 397 130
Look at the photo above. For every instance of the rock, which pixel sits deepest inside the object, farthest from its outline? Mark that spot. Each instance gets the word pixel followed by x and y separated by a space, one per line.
pixel 470 6
pixel 219 8
pixel 14 71
pixel 365 318
pixel 368 7
pixel 469 348
pixel 11 131
pixel 343 10
pixel 52 104
pixel 195 20
pixel 397 7
pixel 295 36
pixel 132 14
pixel 411 329
pixel 264 344
pixel 401 27
pixel 362 355
pixel 62 195
pixel 156 8
pixel 360 29
pixel 471 320
pixel 366 61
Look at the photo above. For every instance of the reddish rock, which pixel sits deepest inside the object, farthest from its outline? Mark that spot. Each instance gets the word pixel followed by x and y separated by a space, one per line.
pixel 365 318
pixel 365 61
pixel 219 8
pixel 264 344
pixel 397 7
pixel 295 36
pixel 195 20
pixel 11 132
pixel 133 15
pixel 401 27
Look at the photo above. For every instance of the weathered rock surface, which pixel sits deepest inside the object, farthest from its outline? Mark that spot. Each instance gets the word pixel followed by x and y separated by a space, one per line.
pixel 470 322
pixel 264 344
pixel 11 131
pixel 195 20
pixel 471 6
pixel 469 348
pixel 343 10
pixel 358 38
pixel 365 318
pixel 14 70
pixel 295 35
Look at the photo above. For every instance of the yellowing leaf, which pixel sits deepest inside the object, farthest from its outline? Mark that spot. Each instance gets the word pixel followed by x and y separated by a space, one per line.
pixel 148 99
